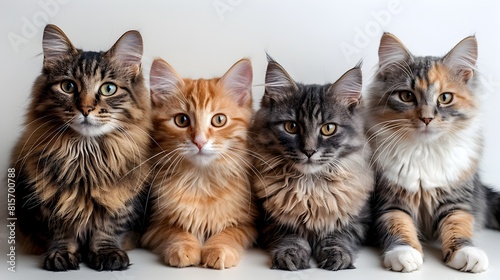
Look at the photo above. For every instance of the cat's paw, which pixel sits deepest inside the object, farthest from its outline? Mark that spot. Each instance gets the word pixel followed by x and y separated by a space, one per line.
pixel 334 258
pixel 108 259
pixel 403 258
pixel 220 257
pixel 183 255
pixel 469 259
pixel 291 258
pixel 61 260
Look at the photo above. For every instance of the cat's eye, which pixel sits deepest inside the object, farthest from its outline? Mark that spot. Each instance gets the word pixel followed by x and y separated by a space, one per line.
pixel 407 96
pixel 181 120
pixel 445 98
pixel 328 129
pixel 219 120
pixel 108 89
pixel 68 86
pixel 291 127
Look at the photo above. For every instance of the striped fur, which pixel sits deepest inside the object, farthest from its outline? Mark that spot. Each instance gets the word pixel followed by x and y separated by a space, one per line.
pixel 314 189
pixel 423 126
pixel 81 157
pixel 202 211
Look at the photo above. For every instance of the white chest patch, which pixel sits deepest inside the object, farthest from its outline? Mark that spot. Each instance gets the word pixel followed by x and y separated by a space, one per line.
pixel 428 165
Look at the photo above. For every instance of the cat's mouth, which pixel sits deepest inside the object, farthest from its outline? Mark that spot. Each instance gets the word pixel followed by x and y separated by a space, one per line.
pixel 308 167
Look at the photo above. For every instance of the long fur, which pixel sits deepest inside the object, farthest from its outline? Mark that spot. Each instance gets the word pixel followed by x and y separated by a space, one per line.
pixel 319 209
pixel 426 155
pixel 79 185
pixel 202 210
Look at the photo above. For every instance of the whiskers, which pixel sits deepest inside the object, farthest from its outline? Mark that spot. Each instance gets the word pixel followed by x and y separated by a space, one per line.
pixel 387 136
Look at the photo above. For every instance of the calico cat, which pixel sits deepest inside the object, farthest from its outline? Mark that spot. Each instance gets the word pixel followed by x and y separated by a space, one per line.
pixel 422 121
pixel 202 211
pixel 81 158
pixel 313 179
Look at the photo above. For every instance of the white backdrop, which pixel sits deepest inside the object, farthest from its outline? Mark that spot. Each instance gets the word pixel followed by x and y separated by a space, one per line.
pixel 316 41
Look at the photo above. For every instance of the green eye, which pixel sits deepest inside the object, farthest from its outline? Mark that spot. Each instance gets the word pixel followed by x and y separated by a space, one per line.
pixel 181 120
pixel 68 86
pixel 291 127
pixel 407 96
pixel 328 129
pixel 445 98
pixel 219 120
pixel 108 89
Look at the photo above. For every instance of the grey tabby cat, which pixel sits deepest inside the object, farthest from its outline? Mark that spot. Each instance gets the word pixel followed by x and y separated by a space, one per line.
pixel 425 131
pixel 313 180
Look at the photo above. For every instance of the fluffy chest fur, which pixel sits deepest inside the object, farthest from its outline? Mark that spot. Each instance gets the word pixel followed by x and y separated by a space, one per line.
pixel 203 202
pixel 412 164
pixel 80 179
pixel 318 203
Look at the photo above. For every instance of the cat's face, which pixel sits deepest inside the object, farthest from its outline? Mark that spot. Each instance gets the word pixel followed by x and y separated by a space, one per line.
pixel 423 98
pixel 91 92
pixel 310 127
pixel 201 120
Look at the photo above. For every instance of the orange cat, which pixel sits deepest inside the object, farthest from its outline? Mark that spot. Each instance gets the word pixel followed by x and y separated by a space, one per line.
pixel 201 203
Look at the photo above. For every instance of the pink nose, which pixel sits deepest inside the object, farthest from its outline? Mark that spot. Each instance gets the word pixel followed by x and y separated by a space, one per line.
pixel 200 143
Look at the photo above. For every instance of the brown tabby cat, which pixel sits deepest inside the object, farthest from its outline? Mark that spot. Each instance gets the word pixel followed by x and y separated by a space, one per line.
pixel 202 208
pixel 80 159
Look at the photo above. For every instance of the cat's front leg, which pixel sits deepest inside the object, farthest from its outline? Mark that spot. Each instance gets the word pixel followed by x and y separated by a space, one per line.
pixel 224 250
pixel 63 253
pixel 398 235
pixel 456 230
pixel 104 252
pixel 335 252
pixel 291 252
pixel 181 249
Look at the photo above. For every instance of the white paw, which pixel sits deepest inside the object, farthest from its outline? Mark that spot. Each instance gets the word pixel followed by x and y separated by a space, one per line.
pixel 469 259
pixel 403 258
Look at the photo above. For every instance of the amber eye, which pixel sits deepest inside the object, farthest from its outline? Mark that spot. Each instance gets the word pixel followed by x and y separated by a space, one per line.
pixel 219 120
pixel 181 120
pixel 68 86
pixel 291 127
pixel 108 89
pixel 328 129
pixel 445 98
pixel 407 96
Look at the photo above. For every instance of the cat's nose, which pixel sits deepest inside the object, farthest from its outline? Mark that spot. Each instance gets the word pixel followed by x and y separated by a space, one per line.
pixel 426 120
pixel 310 153
pixel 86 110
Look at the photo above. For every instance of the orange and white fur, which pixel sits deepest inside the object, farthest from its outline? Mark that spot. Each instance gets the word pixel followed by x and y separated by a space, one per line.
pixel 202 211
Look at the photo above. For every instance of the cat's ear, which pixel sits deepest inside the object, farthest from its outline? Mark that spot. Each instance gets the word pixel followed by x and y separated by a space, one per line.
pixel 163 81
pixel 277 77
pixel 56 45
pixel 278 82
pixel 347 88
pixel 128 50
pixel 463 57
pixel 391 51
pixel 238 82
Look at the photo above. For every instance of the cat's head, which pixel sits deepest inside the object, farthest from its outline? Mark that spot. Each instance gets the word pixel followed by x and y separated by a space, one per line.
pixel 202 120
pixel 309 127
pixel 93 93
pixel 423 97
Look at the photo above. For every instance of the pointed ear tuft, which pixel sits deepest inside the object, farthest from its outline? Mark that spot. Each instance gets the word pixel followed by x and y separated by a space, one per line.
pixel 463 57
pixel 348 87
pixel 238 82
pixel 163 81
pixel 277 77
pixel 128 50
pixel 391 51
pixel 56 45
